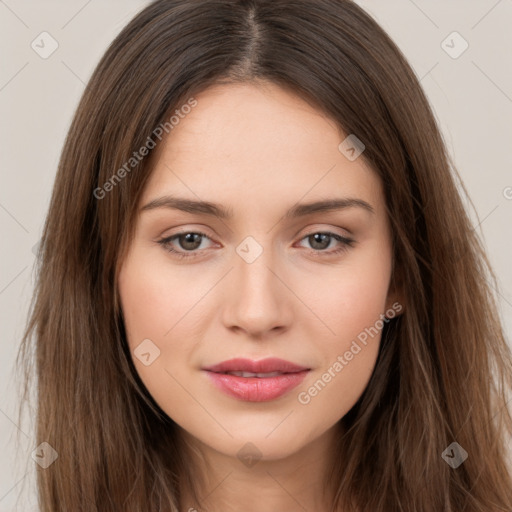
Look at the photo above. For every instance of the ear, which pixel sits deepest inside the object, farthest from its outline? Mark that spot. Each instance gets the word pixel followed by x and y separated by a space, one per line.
pixel 395 300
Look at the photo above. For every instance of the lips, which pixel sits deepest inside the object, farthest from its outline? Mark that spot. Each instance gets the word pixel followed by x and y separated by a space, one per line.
pixel 256 381
pixel 269 365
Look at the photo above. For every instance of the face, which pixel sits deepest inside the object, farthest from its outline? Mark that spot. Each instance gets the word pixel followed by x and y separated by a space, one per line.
pixel 267 280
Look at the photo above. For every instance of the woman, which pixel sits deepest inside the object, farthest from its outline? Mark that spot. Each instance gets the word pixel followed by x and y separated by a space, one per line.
pixel 258 288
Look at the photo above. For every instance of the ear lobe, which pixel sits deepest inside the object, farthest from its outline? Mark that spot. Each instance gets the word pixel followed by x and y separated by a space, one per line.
pixel 395 305
pixel 396 295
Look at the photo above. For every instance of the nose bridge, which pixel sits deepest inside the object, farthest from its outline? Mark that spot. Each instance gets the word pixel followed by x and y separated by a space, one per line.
pixel 257 302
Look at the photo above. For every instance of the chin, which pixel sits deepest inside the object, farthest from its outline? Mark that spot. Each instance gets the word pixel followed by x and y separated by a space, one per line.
pixel 254 444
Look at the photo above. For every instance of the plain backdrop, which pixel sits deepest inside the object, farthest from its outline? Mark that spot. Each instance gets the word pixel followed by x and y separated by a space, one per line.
pixel 470 90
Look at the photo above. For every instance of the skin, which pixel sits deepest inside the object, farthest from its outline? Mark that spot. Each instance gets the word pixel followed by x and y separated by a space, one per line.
pixel 257 149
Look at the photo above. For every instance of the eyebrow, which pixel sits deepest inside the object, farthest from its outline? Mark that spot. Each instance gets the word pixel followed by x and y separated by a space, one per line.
pixel 217 210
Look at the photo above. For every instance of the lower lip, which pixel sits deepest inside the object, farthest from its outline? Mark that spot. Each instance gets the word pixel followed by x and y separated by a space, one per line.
pixel 256 389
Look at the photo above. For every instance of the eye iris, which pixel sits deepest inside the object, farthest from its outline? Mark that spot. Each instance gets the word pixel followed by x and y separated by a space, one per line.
pixel 189 239
pixel 323 236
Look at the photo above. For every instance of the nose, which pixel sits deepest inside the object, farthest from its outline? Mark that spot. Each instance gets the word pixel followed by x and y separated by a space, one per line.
pixel 258 301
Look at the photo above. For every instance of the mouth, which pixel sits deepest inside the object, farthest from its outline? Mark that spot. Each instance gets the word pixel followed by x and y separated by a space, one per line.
pixel 256 381
pixel 258 375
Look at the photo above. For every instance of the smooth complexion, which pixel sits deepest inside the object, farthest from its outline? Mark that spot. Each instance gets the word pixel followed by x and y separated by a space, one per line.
pixel 257 151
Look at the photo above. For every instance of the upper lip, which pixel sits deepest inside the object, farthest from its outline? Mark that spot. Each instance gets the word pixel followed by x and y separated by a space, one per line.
pixel 271 364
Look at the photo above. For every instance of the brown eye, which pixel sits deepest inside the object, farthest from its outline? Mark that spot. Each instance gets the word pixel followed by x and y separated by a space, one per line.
pixel 188 242
pixel 321 240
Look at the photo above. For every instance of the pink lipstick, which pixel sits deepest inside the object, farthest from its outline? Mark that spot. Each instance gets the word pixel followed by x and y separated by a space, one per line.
pixel 256 381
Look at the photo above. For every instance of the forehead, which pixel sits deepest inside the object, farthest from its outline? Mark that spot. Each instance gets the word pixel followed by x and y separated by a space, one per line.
pixel 236 119
pixel 257 143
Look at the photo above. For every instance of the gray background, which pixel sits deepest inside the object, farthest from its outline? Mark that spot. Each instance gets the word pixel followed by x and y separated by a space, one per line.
pixel 471 96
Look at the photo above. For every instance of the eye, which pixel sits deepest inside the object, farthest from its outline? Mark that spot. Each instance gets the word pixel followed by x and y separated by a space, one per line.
pixel 321 240
pixel 191 240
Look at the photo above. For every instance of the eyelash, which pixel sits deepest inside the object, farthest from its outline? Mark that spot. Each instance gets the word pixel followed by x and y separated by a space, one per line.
pixel 346 244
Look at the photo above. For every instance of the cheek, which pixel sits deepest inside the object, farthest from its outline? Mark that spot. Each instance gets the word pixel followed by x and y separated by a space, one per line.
pixel 348 362
pixel 154 313
pixel 352 306
pixel 153 299
pixel 163 303
pixel 353 297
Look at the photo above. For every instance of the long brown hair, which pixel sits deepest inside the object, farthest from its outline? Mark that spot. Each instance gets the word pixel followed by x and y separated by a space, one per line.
pixel 444 367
